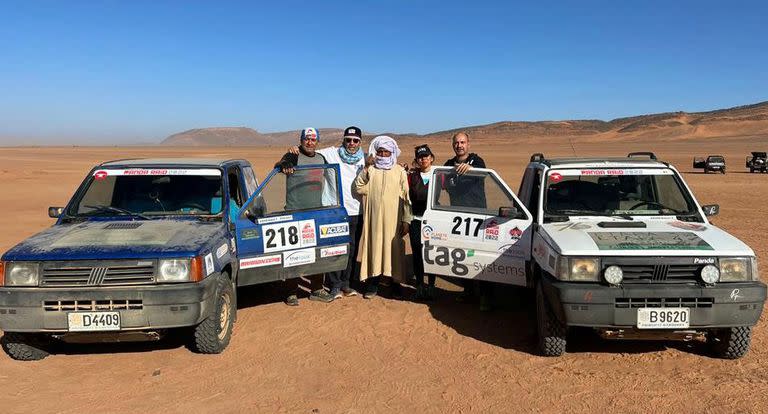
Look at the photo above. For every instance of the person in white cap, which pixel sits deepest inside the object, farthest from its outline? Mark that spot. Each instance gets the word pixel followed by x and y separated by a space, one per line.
pixel 386 216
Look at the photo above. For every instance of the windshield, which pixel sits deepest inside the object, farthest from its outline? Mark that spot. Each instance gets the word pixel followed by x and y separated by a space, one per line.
pixel 716 159
pixel 151 192
pixel 616 192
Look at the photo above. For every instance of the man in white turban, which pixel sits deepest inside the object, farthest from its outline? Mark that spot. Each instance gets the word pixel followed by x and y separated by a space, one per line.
pixel 386 216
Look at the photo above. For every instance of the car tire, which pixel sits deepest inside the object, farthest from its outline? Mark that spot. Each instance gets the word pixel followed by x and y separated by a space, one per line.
pixel 24 346
pixel 730 343
pixel 212 335
pixel 551 331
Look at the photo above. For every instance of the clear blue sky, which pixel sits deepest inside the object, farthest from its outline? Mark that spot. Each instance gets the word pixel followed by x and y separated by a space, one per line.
pixel 118 71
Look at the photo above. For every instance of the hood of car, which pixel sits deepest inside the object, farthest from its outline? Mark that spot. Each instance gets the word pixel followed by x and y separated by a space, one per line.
pixel 659 237
pixel 118 239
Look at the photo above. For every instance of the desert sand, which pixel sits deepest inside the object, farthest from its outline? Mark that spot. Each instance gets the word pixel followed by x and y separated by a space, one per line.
pixel 384 355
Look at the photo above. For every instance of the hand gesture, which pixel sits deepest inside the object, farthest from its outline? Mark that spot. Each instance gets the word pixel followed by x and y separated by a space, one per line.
pixel 370 160
pixel 463 168
pixel 293 150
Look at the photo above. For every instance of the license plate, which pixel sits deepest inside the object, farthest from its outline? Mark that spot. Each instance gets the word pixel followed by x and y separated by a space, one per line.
pixel 663 318
pixel 93 321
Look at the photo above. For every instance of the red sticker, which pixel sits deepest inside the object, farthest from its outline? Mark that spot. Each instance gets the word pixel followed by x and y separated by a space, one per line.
pixel 555 177
pixel 100 175
pixel 515 233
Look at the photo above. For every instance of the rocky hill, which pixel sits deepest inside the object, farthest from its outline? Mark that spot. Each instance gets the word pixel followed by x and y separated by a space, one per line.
pixel 738 121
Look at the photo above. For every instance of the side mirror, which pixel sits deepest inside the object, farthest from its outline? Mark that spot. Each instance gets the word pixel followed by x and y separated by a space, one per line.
pixel 55 212
pixel 711 209
pixel 511 213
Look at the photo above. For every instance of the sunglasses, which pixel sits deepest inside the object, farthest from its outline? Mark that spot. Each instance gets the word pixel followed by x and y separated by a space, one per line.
pixel 354 140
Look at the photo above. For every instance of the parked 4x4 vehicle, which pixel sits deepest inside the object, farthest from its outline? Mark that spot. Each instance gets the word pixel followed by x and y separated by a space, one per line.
pixel 619 245
pixel 714 163
pixel 145 246
pixel 758 161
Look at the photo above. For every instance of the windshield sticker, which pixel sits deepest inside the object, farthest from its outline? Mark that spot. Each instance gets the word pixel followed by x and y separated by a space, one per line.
pixel 334 230
pixel 649 241
pixel 555 177
pixel 101 174
pixel 268 220
pixel 208 264
pixel 687 225
pixel 299 257
pixel 333 251
pixel 612 171
pixel 274 259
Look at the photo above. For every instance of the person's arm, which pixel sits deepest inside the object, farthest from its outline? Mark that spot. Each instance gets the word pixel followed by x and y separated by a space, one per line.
pixel 287 162
pixel 406 210
pixel 360 186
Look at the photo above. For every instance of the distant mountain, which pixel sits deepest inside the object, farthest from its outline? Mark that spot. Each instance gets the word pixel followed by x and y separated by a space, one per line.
pixel 740 120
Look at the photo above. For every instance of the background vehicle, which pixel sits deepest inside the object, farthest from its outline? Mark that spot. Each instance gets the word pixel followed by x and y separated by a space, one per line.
pixel 714 163
pixel 145 246
pixel 618 245
pixel 758 161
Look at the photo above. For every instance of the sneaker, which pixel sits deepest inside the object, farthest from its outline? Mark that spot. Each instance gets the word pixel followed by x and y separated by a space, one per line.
pixel 371 293
pixel 292 300
pixel 336 293
pixel 348 292
pixel 321 295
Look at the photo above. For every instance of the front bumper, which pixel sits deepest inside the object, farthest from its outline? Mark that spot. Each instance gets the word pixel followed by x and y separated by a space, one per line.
pixel 141 307
pixel 600 306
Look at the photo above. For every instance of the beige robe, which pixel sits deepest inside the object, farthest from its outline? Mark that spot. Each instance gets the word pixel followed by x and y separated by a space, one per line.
pixel 385 206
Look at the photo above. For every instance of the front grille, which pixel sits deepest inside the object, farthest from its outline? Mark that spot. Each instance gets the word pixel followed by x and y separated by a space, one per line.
pixel 108 273
pixel 660 273
pixel 92 305
pixel 627 303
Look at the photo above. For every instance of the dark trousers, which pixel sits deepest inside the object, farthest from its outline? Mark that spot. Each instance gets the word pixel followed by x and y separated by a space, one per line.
pixel 340 279
pixel 418 259
pixel 292 285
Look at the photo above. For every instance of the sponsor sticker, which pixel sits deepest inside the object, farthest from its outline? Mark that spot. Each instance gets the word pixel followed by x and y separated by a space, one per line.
pixel 687 226
pixel 308 236
pixel 611 171
pixel 426 232
pixel 299 257
pixel 267 220
pixel 157 171
pixel 222 250
pixel 514 235
pixel 661 240
pixel 208 264
pixel 510 250
pixel 252 262
pixel 333 251
pixel 250 234
pixel 334 230
pixel 555 177
pixel 491 231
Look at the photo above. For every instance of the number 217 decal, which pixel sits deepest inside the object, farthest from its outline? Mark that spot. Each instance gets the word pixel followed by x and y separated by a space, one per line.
pixel 466 226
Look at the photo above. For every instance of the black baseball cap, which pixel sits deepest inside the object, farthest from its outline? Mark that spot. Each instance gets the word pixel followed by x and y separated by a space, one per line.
pixel 353 132
pixel 423 151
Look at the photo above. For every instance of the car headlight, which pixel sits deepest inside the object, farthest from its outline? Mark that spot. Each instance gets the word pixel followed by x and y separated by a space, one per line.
pixel 735 269
pixel 579 269
pixel 710 274
pixel 22 274
pixel 613 275
pixel 174 270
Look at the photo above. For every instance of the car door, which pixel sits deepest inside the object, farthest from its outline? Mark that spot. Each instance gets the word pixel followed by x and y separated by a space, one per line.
pixel 292 226
pixel 475 228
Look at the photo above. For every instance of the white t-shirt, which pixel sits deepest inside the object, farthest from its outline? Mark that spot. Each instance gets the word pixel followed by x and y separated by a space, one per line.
pixel 348 174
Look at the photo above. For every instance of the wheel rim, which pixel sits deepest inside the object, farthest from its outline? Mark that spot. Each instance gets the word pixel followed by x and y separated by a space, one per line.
pixel 226 303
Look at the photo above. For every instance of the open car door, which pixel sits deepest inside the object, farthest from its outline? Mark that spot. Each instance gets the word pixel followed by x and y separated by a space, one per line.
pixel 475 228
pixel 292 226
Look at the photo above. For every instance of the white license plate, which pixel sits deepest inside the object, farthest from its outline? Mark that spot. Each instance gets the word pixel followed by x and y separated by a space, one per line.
pixel 93 321
pixel 663 318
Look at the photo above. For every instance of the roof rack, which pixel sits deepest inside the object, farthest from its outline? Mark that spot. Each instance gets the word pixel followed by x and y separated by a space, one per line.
pixel 642 154
pixel 537 157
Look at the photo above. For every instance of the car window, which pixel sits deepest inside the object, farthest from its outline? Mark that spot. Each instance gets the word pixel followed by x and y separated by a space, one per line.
pixel 474 192
pixel 250 180
pixel 305 189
